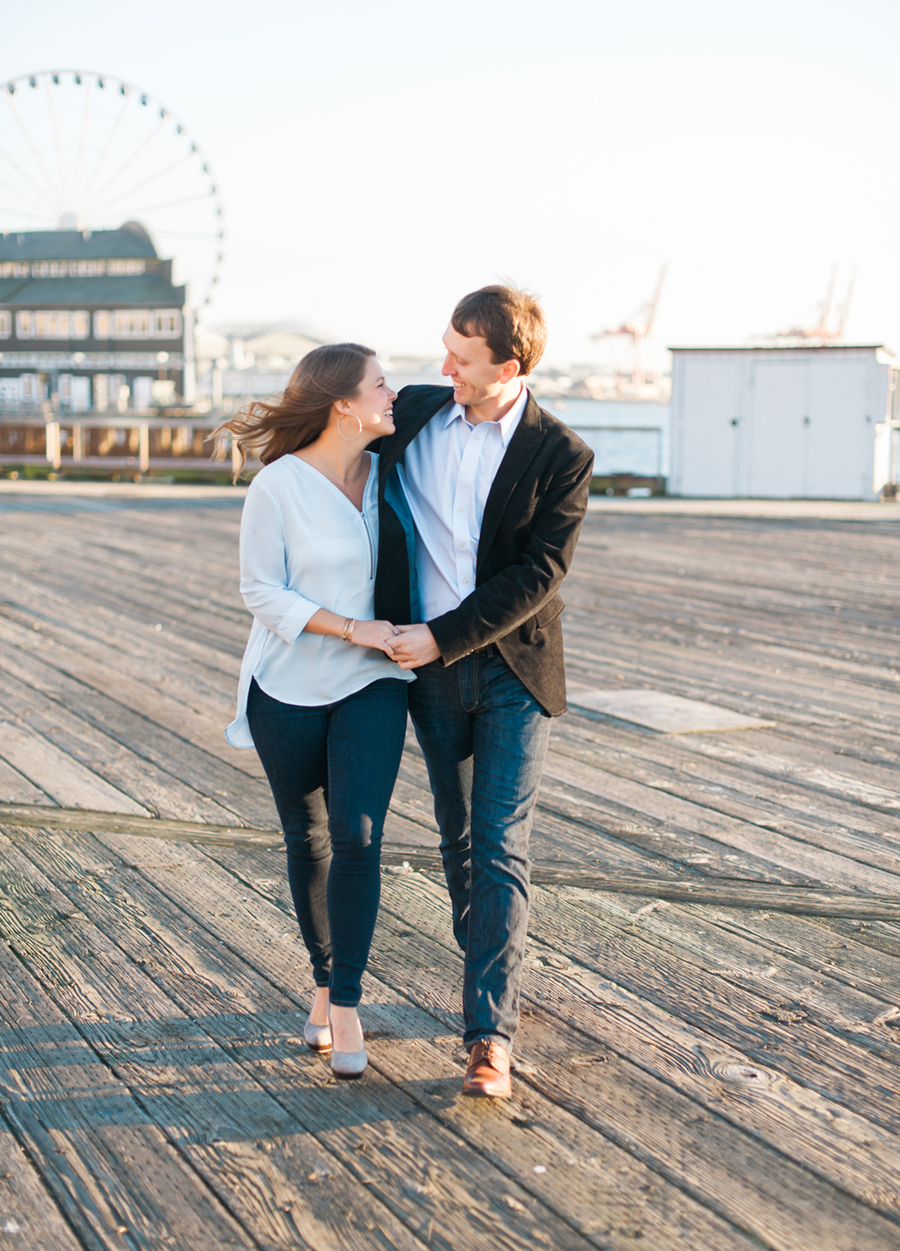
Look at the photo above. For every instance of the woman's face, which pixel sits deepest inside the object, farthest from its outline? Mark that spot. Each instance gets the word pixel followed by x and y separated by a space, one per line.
pixel 372 404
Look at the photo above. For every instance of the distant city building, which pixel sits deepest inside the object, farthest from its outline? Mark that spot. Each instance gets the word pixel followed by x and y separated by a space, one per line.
pixel 91 322
pixel 806 422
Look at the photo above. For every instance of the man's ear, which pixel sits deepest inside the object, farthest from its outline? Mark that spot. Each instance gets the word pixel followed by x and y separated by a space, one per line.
pixel 510 370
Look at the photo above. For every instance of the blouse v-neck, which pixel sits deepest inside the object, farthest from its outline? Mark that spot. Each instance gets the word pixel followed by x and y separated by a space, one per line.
pixel 334 487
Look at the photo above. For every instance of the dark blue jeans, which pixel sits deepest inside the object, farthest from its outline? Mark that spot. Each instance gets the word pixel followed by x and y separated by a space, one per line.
pixel 485 739
pixel 332 770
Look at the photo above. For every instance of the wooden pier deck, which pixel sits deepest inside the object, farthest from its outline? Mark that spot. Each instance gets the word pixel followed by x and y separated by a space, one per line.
pixel 710 1050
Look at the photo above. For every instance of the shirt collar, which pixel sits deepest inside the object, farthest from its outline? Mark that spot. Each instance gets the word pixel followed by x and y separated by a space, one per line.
pixel 507 423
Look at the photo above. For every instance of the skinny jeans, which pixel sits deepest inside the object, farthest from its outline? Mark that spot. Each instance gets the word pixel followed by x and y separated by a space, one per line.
pixel 332 770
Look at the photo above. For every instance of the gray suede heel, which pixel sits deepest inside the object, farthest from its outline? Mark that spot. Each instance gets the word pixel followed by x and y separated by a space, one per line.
pixel 347 1066
pixel 317 1037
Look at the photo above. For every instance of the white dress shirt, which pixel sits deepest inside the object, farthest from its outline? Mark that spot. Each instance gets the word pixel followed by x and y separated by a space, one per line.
pixel 447 474
pixel 304 546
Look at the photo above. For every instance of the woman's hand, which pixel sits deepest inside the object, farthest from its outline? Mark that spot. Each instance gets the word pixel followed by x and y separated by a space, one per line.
pixel 374 634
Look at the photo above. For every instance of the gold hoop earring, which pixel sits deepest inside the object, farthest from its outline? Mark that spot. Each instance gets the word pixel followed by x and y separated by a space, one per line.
pixel 340 431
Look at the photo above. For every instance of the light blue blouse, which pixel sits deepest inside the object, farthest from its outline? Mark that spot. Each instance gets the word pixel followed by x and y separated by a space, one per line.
pixel 304 546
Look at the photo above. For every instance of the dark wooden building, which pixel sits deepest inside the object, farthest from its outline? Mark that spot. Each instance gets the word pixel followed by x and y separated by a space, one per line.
pixel 91 322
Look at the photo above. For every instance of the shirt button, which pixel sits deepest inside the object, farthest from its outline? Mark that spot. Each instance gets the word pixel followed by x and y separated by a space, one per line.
pixel 465 580
pixel 462 544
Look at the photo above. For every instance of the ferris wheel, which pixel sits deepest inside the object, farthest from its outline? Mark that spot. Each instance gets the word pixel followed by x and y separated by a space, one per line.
pixel 80 150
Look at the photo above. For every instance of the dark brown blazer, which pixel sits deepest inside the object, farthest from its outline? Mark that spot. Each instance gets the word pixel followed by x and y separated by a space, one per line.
pixel 531 523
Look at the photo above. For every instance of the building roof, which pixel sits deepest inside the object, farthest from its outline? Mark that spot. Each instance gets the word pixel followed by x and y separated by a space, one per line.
pixel 137 291
pixel 785 347
pixel 130 240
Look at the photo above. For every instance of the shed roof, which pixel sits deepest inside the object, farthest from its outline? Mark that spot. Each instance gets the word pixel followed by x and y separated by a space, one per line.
pixel 136 291
pixel 130 240
pixel 784 347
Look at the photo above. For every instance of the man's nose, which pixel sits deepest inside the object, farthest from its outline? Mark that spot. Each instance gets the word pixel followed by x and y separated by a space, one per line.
pixel 446 368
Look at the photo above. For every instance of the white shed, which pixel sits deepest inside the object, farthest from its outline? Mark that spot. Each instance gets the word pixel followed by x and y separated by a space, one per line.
pixel 781 422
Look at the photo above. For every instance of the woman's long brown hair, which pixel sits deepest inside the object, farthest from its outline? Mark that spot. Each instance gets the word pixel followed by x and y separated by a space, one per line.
pixel 324 376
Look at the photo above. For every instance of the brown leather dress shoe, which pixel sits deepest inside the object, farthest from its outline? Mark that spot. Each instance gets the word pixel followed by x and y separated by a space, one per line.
pixel 488 1073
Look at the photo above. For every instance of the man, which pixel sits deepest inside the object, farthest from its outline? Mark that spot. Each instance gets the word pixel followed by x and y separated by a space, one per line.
pixel 497 490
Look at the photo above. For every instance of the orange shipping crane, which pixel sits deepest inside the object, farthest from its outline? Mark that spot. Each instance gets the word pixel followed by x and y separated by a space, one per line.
pixel 637 328
pixel 824 331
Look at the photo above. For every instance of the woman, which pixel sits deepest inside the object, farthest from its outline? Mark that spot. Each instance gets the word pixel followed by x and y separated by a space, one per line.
pixel 319 697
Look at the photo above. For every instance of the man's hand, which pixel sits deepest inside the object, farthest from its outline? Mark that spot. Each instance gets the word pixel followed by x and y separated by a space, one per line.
pixel 412 646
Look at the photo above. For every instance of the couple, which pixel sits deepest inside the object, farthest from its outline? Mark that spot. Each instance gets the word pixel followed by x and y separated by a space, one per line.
pixel 425 576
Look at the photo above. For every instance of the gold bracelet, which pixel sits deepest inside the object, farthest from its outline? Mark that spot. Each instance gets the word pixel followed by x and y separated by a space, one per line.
pixel 347 632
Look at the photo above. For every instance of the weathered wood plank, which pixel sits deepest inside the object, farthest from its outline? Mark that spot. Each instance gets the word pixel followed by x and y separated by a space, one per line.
pixel 214 992
pixel 403 965
pixel 57 774
pixel 803 1123
pixel 111 1171
pixel 800 901
pixel 279 966
pixel 247 799
pixel 28 1215
pixel 844 1071
pixel 825 867
pixel 728 786
pixel 15 788
pixel 816 945
pixel 155 790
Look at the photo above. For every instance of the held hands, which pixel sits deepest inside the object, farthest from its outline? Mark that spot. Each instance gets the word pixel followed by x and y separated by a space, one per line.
pixel 412 646
pixel 409 645
pixel 378 634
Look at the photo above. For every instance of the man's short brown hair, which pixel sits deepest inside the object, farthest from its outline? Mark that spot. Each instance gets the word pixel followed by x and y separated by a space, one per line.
pixel 510 321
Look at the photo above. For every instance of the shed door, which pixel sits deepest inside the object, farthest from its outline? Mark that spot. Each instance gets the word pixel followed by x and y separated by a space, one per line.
pixel 710 431
pixel 839 460
pixel 779 407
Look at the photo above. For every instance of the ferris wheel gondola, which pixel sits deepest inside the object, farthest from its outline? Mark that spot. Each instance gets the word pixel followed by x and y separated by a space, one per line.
pixel 82 150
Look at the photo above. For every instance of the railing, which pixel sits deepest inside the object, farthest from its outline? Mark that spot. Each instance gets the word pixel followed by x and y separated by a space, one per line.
pixel 99 441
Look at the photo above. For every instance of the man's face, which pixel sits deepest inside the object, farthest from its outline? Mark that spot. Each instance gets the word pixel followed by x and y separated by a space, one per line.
pixel 469 365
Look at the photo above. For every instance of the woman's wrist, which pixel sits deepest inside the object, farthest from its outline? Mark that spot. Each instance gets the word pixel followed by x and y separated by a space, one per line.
pixel 347 632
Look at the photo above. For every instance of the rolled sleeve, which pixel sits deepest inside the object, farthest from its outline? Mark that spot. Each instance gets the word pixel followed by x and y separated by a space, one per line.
pixel 264 577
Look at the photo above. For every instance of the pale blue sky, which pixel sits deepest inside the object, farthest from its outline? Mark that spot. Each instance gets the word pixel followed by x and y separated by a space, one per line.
pixel 380 159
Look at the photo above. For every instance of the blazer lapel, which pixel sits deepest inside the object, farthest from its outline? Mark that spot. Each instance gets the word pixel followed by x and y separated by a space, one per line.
pixel 392 448
pixel 519 454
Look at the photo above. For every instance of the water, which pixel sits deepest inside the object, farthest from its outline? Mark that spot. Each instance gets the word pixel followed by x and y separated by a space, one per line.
pixel 626 436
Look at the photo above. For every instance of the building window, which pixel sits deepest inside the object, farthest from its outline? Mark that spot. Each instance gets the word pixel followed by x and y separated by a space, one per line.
pixel 101 325
pixel 143 392
pixel 13 269
pixel 25 325
pixel 52 325
pixel 125 267
pixel 167 323
pixel 80 324
pixel 5 324
pixel 74 393
pixel 110 392
pixel 56 324
pixel 34 389
pixel 101 392
pixel 132 323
